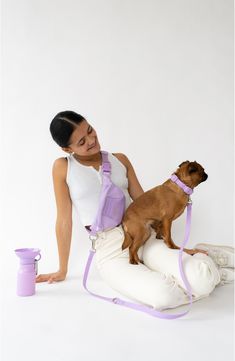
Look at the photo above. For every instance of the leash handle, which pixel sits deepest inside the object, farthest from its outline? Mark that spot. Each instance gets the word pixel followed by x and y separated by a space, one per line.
pixel 148 309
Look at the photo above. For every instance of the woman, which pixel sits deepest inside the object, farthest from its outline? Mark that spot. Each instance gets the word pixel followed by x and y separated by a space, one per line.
pixel 77 181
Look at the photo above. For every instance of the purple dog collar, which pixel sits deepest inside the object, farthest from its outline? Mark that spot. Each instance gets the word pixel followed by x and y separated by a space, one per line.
pixel 183 186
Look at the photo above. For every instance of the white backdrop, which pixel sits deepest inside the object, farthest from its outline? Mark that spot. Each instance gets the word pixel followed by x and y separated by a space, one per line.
pixel 155 79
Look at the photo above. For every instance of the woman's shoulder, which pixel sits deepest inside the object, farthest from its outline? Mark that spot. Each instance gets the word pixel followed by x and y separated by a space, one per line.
pixel 59 167
pixel 60 162
pixel 122 158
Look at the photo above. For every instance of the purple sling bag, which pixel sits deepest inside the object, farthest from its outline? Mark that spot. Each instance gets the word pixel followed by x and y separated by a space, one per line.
pixel 110 213
pixel 112 201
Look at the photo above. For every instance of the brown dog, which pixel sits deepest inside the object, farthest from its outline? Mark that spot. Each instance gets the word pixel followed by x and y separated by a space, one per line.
pixel 157 208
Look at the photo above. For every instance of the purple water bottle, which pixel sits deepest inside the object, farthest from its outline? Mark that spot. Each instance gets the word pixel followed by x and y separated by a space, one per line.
pixel 27 271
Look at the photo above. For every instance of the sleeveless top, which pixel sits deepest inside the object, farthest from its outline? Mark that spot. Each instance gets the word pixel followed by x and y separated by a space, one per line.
pixel 85 183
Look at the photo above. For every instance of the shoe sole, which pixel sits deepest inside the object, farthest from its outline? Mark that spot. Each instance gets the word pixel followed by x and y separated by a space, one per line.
pixel 228 248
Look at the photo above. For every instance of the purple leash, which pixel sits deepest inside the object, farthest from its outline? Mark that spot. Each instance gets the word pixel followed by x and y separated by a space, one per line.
pixel 148 309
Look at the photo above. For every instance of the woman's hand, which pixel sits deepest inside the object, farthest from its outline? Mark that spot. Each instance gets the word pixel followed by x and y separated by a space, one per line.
pixel 52 277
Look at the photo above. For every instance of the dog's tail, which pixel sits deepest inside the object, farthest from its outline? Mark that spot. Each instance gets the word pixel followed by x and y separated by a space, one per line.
pixel 127 240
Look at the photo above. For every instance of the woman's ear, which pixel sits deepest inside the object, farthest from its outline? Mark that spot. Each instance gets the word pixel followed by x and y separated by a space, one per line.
pixel 66 149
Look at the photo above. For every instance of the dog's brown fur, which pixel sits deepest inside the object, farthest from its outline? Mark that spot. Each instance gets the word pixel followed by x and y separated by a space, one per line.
pixel 157 208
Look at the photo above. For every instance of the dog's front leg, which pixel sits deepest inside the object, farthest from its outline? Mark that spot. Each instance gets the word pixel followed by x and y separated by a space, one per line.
pixel 166 228
pixel 166 233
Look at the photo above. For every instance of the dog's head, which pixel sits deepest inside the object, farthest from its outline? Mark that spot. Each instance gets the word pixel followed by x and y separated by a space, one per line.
pixel 191 173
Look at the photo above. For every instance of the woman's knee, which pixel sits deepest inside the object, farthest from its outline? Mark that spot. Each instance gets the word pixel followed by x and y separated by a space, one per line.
pixel 167 294
pixel 201 277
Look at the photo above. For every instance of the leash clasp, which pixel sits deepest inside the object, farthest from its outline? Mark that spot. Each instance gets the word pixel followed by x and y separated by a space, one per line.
pixel 190 201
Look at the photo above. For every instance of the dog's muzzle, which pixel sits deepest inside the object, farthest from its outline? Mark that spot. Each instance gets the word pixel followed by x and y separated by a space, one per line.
pixel 204 178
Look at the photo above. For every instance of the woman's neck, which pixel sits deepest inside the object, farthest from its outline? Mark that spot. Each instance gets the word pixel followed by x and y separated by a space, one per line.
pixel 93 158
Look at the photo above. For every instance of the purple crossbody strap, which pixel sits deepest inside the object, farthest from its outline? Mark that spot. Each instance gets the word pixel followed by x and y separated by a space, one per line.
pixel 106 180
pixel 148 309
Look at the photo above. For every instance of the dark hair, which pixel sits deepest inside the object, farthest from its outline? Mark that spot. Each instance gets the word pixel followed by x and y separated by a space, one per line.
pixel 63 125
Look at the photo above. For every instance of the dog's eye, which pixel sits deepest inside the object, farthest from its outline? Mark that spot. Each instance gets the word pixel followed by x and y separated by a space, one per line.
pixel 192 170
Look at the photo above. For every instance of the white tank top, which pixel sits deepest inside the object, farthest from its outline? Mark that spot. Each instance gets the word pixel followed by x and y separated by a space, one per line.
pixel 85 183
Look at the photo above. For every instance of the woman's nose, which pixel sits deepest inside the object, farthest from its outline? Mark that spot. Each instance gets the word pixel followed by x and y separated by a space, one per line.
pixel 91 141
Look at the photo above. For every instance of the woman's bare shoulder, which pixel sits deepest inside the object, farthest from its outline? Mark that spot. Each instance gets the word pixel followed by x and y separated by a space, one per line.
pixel 122 158
pixel 59 167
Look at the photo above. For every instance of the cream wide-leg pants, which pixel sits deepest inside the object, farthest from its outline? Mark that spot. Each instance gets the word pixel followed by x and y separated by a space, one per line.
pixel 157 282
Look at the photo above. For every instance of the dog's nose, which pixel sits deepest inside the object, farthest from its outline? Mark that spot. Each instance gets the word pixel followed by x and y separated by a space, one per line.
pixel 205 176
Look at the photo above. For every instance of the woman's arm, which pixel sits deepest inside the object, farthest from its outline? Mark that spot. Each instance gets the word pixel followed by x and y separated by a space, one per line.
pixel 64 212
pixel 134 187
pixel 63 226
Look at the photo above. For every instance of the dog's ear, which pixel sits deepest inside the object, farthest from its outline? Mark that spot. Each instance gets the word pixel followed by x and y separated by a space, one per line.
pixel 186 161
pixel 192 167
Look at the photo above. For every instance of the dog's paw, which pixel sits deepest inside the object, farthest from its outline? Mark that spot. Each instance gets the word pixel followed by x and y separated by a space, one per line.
pixel 133 261
pixel 136 261
pixel 194 251
pixel 197 250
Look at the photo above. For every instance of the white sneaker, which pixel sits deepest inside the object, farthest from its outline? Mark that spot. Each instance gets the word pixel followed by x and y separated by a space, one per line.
pixel 226 275
pixel 223 256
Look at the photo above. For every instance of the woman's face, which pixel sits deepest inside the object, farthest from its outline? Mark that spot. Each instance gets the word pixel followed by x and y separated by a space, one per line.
pixel 83 140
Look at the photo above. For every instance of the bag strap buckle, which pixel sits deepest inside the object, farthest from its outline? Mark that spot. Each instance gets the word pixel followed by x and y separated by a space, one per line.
pixel 93 238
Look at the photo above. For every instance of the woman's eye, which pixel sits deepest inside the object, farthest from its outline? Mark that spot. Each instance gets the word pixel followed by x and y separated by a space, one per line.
pixel 89 131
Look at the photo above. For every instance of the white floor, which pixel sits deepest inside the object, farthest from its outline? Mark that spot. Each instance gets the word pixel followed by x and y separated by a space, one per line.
pixel 62 322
